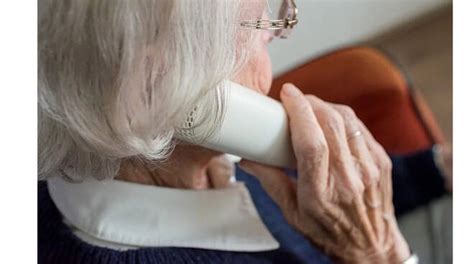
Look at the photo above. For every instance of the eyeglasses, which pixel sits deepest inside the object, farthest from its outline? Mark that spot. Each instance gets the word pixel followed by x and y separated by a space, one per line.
pixel 282 18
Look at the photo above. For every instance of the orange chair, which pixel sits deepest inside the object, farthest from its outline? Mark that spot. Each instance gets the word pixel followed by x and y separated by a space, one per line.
pixel 380 94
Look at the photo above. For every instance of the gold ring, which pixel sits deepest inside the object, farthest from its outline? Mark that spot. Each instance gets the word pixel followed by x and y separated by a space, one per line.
pixel 357 133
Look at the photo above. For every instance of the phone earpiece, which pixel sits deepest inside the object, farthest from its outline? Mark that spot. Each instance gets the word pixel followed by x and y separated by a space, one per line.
pixel 254 127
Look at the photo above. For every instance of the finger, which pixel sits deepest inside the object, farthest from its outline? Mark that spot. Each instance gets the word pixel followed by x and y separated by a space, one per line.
pixel 373 203
pixel 309 142
pixel 277 184
pixel 385 167
pixel 385 183
pixel 358 145
pixel 366 225
pixel 373 146
pixel 219 171
pixel 367 167
pixel 340 155
pixel 335 126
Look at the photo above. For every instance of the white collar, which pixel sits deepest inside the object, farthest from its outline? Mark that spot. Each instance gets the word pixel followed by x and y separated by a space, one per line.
pixel 123 215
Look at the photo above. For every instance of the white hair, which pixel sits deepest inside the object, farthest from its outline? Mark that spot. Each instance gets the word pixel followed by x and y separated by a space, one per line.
pixel 117 77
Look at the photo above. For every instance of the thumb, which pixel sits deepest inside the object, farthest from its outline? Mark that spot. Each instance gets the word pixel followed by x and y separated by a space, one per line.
pixel 220 170
pixel 280 187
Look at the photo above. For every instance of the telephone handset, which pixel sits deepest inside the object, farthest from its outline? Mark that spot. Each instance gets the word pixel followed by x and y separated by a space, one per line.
pixel 254 127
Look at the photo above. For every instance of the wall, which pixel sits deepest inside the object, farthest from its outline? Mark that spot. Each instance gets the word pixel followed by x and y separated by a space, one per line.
pixel 327 24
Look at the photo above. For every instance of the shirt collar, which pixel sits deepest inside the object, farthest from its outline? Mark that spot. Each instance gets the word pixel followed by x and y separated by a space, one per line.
pixel 123 215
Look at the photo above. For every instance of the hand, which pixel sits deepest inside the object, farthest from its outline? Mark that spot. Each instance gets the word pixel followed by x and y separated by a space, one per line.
pixel 342 198
pixel 219 170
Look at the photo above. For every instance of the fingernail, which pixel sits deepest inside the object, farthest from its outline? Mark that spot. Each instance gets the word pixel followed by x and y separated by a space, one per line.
pixel 290 90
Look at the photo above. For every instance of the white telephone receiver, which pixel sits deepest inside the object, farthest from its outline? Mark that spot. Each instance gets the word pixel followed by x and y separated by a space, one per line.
pixel 254 127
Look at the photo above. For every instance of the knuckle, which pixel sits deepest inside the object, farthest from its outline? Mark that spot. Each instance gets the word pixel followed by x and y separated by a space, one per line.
pixel 354 181
pixel 384 160
pixel 311 98
pixel 335 121
pixel 357 187
pixel 312 101
pixel 316 104
pixel 321 207
pixel 349 117
pixel 347 112
pixel 372 174
pixel 352 185
pixel 311 151
pixel 306 107
pixel 311 155
pixel 387 163
pixel 350 194
pixel 321 146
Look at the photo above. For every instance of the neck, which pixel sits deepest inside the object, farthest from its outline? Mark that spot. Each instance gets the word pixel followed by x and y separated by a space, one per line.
pixel 188 167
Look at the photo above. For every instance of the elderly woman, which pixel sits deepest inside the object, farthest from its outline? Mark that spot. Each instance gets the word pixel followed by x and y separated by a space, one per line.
pixel 116 79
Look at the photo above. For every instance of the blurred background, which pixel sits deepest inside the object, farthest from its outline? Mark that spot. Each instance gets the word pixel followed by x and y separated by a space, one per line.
pixel 417 35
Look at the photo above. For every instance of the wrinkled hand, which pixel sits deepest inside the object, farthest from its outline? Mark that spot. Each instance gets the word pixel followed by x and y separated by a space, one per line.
pixel 220 169
pixel 342 198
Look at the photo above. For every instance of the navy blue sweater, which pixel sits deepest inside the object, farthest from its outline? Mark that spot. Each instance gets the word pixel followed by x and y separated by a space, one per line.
pixel 416 182
pixel 57 244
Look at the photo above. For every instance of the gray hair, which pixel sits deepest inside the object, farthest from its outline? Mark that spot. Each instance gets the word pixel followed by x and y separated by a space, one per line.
pixel 116 77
